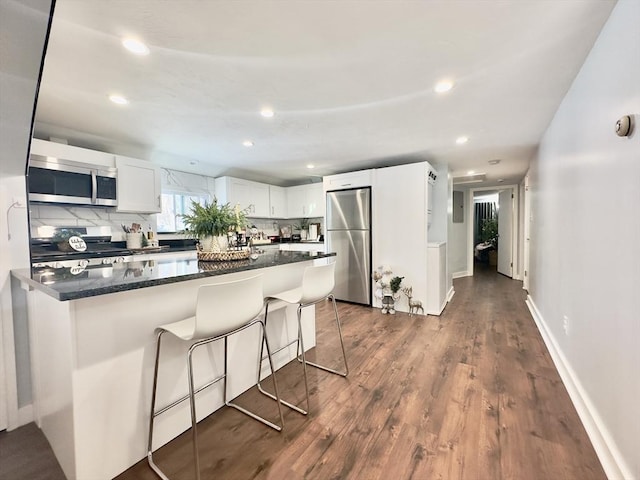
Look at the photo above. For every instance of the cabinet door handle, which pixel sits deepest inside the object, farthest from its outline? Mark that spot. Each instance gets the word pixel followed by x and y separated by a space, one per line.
pixel 272 211
pixel 159 202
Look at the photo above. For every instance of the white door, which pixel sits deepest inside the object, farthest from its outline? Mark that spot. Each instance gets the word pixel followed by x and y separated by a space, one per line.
pixel 505 233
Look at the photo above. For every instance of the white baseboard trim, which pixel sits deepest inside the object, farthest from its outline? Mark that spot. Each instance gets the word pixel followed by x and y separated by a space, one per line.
pixel 466 273
pixel 612 461
pixel 450 294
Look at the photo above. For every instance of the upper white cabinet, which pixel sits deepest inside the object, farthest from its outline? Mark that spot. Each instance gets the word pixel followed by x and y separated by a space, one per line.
pixel 253 197
pixel 306 201
pixel 362 178
pixel 277 202
pixel 138 186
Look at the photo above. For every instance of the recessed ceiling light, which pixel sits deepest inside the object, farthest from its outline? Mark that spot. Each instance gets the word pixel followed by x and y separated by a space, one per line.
pixel 247 143
pixel 311 165
pixel 471 172
pixel 135 46
pixel 494 162
pixel 443 86
pixel 267 112
pixel 118 99
pixel 462 140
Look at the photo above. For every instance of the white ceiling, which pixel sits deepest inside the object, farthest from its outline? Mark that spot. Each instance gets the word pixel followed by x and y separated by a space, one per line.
pixel 351 82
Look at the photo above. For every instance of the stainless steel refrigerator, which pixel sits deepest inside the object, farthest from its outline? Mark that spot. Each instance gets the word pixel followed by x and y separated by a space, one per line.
pixel 348 233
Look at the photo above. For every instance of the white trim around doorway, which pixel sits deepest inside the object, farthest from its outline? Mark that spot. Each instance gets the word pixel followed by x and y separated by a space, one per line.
pixel 514 230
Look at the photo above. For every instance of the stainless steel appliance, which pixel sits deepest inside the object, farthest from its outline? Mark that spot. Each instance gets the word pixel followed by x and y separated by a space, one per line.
pixel 348 233
pixel 100 250
pixel 53 180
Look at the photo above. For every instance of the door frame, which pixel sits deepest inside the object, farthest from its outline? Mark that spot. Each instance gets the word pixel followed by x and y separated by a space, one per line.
pixel 514 222
pixel 526 237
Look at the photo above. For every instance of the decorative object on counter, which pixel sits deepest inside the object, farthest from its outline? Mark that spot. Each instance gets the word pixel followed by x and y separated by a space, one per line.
pixel 387 288
pixel 223 256
pixel 303 226
pixel 314 230
pixel 68 240
pixel 211 223
pixel 413 304
pixel 135 237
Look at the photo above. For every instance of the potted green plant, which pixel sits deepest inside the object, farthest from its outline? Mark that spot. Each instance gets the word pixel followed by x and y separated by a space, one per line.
pixel 489 231
pixel 210 223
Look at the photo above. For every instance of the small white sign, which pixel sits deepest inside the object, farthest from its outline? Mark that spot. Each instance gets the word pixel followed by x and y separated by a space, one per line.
pixel 77 243
pixel 77 270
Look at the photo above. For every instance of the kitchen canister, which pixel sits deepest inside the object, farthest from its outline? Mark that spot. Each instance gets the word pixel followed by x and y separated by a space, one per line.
pixel 134 240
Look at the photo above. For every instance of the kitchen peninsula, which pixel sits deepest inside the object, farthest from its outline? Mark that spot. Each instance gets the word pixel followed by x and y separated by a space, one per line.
pixel 92 346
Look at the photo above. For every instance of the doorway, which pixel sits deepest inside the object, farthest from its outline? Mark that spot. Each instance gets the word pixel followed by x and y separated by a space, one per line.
pixel 491 232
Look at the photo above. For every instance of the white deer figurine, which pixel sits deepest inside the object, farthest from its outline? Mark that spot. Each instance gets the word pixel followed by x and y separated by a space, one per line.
pixel 414 305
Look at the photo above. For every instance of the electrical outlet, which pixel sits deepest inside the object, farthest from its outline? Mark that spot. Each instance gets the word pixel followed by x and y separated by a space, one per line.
pixel 565 324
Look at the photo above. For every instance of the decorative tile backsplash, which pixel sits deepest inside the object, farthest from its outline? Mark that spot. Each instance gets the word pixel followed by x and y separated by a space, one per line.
pixel 74 216
pixel 272 226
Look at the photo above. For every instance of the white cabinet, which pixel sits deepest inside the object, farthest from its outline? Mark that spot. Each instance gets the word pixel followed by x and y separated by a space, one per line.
pixel 138 186
pixel 362 178
pixel 277 202
pixel 253 197
pixel 306 201
pixel 302 247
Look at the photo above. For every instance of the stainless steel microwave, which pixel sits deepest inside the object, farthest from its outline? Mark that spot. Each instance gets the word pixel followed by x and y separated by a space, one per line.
pixel 54 180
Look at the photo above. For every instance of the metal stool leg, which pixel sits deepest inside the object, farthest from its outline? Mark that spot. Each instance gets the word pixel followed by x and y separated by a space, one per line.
pixel 261 358
pixel 192 401
pixel 153 414
pixel 301 347
pixel 344 355
pixel 275 386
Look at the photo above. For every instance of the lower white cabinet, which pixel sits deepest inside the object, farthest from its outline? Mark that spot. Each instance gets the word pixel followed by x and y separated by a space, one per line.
pixel 138 186
pixel 302 247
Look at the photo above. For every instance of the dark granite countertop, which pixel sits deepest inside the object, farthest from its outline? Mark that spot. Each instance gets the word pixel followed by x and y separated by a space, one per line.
pixel 71 284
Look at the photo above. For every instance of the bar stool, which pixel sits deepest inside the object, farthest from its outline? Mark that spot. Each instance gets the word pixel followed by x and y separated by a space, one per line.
pixel 222 309
pixel 317 284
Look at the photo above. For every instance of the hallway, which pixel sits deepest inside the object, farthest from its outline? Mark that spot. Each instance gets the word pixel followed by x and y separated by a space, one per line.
pixel 471 394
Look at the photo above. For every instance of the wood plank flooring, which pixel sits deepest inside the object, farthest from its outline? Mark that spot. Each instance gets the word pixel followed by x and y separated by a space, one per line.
pixel 472 394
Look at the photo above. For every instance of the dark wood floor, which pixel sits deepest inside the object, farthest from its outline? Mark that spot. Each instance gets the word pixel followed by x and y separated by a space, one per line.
pixel 471 394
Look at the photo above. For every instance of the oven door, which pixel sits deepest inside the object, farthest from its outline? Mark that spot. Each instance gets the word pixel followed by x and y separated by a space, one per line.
pixel 63 181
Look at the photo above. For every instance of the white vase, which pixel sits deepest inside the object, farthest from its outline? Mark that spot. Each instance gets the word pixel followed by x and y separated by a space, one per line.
pixel 215 244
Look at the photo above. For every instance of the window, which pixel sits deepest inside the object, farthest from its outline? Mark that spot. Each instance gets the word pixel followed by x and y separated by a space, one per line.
pixel 173 206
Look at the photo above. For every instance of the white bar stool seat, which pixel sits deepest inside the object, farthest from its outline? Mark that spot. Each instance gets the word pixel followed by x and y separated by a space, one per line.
pixel 222 309
pixel 317 284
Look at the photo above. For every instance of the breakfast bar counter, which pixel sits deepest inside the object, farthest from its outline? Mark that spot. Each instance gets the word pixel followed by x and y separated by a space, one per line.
pixel 92 350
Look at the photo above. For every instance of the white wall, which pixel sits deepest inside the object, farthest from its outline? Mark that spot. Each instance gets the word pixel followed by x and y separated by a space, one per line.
pixel 585 256
pixel 23 26
pixel 458 245
pixel 399 226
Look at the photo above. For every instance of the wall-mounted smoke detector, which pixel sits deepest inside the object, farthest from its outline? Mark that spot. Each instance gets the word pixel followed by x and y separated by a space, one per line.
pixel 494 161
